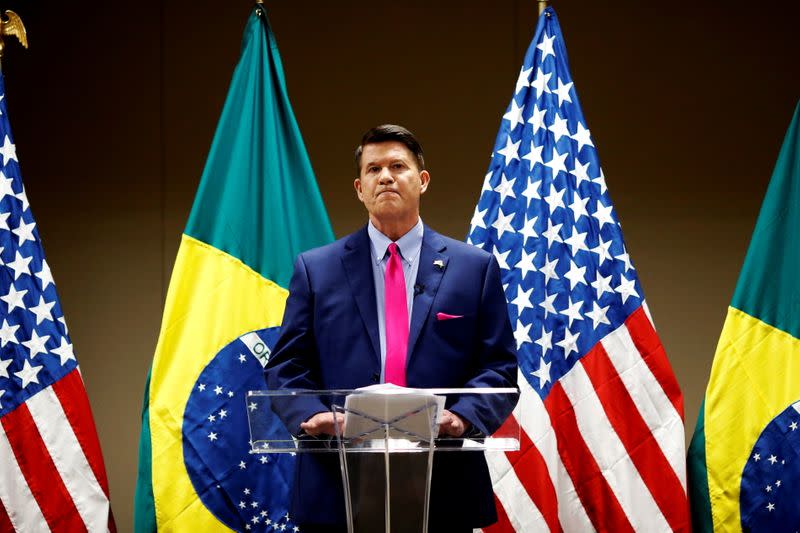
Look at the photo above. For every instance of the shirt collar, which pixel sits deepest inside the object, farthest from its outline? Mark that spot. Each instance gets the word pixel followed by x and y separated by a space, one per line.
pixel 410 244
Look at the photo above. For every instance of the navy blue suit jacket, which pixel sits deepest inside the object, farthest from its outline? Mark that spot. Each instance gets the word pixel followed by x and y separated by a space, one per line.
pixel 329 340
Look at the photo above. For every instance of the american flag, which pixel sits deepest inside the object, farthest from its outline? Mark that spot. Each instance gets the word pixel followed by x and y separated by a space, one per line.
pixel 52 476
pixel 601 414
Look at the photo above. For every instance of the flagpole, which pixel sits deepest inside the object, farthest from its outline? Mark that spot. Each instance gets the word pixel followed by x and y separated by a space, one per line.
pixel 542 5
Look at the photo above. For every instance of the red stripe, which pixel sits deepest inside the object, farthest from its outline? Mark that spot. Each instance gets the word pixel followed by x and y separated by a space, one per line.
pixel 72 395
pixel 503 524
pixel 532 472
pixel 596 495
pixel 632 430
pixel 39 471
pixel 649 346
pixel 112 525
pixel 5 521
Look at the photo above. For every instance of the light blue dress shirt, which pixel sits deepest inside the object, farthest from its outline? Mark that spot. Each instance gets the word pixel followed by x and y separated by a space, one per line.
pixel 409 246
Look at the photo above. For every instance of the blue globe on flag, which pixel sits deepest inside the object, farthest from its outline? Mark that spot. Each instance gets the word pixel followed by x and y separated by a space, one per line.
pixel 246 491
pixel 768 500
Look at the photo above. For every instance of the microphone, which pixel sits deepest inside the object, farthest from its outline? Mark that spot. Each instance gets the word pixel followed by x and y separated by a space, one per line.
pixel 418 289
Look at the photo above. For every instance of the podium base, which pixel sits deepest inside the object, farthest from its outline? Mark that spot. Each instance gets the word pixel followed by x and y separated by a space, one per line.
pixel 407 485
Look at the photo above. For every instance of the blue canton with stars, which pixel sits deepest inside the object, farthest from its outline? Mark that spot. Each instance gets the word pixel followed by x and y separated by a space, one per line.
pixel 767 499
pixel 35 349
pixel 247 492
pixel 545 213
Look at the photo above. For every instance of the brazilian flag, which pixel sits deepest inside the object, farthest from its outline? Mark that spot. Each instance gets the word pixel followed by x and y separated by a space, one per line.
pixel 257 207
pixel 744 458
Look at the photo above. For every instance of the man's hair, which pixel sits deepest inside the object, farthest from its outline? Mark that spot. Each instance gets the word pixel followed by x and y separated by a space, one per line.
pixel 388 133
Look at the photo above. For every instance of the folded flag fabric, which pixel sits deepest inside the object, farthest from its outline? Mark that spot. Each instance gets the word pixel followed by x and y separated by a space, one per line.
pixel 601 413
pixel 52 476
pixel 256 208
pixel 744 458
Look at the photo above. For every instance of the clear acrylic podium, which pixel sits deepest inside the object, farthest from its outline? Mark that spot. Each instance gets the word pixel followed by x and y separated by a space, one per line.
pixel 386 438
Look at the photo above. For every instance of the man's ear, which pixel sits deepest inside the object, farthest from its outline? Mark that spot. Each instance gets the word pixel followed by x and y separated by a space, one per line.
pixel 425 179
pixel 357 187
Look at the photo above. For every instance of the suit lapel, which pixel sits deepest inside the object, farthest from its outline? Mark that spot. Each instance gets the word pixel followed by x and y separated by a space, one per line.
pixel 432 265
pixel 358 268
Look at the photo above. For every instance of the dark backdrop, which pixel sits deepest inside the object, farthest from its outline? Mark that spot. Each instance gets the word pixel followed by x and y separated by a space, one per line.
pixel 115 104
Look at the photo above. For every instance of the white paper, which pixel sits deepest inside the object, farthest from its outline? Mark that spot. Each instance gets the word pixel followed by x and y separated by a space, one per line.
pixel 386 402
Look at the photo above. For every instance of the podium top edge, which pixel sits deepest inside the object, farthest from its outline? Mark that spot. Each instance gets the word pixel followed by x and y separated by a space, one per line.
pixel 399 390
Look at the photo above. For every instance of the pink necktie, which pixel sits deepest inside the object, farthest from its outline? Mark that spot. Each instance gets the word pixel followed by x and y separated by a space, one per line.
pixel 396 319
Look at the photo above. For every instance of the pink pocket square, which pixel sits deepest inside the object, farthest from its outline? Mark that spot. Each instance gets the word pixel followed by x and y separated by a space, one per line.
pixel 445 316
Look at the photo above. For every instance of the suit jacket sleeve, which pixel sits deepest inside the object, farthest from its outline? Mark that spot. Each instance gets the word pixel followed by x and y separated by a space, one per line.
pixel 497 360
pixel 294 363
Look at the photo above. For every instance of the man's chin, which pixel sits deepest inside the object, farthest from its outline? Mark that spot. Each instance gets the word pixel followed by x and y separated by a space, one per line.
pixel 389 203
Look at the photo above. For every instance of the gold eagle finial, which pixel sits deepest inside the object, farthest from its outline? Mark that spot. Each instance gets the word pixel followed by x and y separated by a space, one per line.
pixel 12 26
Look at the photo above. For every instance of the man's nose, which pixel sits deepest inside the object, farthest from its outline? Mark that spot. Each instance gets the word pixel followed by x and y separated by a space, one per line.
pixel 386 176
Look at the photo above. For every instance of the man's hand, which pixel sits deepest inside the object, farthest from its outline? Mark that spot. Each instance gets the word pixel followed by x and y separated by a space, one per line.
pixel 322 423
pixel 452 425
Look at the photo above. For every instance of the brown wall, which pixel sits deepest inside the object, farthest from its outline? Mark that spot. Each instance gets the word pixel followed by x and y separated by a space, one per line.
pixel 114 108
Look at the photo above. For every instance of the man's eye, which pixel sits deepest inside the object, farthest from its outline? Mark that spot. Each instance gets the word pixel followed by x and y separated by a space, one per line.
pixel 374 169
pixel 398 166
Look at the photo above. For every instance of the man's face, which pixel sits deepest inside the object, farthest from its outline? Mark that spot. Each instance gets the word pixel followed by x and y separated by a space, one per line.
pixel 390 184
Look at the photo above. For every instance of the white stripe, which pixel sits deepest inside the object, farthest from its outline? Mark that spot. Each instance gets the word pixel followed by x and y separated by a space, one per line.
pixel 21 506
pixel 535 421
pixel 647 312
pixel 611 456
pixel 652 402
pixel 68 457
pixel 521 511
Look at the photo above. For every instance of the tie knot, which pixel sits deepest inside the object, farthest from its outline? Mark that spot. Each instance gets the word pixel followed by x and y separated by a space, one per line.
pixel 393 249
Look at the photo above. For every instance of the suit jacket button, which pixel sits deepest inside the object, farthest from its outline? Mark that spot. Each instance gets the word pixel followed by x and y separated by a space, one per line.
pixel 375 377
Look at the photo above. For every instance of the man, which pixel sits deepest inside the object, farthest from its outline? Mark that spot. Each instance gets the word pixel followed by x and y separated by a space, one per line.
pixel 399 303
